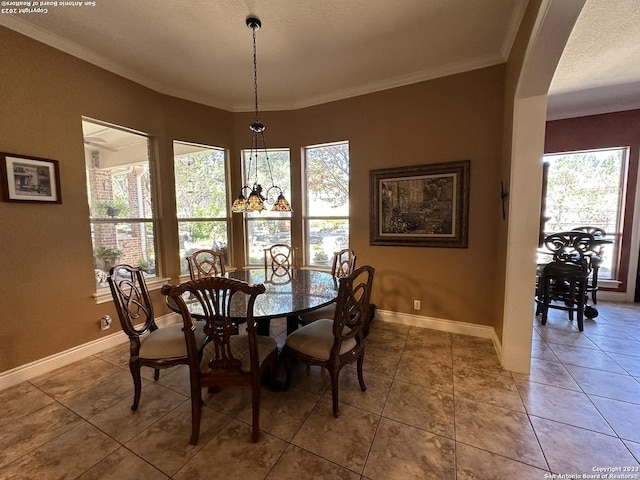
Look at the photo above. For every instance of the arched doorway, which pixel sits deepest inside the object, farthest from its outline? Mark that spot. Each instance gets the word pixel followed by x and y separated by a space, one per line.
pixel 551 31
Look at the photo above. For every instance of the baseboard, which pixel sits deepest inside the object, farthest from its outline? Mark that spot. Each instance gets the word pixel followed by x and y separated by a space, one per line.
pixel 451 326
pixel 621 297
pixel 52 362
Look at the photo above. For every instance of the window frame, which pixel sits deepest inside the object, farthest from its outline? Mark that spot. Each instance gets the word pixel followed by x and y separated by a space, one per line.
pixel 308 218
pixel 267 214
pixel 226 219
pixel 155 281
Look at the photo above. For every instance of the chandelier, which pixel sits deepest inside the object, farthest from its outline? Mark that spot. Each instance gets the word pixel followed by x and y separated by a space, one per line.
pixel 258 196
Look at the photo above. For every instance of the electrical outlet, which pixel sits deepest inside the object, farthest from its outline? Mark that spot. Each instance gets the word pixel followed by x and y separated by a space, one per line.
pixel 416 304
pixel 105 322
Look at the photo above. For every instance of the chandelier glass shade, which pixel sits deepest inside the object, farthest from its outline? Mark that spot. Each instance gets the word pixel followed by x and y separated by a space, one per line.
pixel 257 195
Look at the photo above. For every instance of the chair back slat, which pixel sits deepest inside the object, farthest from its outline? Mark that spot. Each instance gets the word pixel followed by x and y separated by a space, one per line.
pixel 216 295
pixel 344 262
pixel 352 305
pixel 132 301
pixel 279 257
pixel 206 263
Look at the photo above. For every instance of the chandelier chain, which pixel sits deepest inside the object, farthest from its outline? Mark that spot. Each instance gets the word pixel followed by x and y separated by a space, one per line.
pixel 255 72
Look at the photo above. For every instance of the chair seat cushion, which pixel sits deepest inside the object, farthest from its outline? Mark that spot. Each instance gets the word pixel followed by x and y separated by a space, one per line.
pixel 168 342
pixel 240 351
pixel 328 311
pixel 316 340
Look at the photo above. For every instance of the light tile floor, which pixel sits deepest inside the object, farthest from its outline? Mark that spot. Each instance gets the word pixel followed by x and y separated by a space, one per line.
pixel 438 406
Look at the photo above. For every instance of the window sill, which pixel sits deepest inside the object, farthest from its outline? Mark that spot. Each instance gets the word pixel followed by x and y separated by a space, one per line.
pixel 103 295
pixel 608 283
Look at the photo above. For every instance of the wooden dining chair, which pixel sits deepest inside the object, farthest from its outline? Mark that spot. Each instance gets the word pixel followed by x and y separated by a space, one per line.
pixel 335 342
pixel 278 257
pixel 227 358
pixel 205 263
pixel 344 262
pixel 149 345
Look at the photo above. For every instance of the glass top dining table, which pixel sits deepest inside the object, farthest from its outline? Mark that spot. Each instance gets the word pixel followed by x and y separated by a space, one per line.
pixel 288 294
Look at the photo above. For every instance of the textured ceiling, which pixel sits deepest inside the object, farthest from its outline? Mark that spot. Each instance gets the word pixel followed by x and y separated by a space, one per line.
pixel 314 52
pixel 599 70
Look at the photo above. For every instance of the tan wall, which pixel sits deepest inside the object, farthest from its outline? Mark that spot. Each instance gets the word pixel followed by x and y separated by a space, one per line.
pixel 453 118
pixel 512 75
pixel 46 267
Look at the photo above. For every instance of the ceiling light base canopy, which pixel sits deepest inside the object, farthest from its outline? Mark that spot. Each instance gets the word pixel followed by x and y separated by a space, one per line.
pixel 254 23
pixel 257 127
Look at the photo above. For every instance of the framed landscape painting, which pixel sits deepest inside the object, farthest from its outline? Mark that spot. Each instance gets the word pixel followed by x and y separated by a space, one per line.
pixel 420 206
pixel 29 179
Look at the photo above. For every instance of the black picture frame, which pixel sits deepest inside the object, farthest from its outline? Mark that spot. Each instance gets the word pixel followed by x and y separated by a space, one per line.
pixel 29 179
pixel 420 205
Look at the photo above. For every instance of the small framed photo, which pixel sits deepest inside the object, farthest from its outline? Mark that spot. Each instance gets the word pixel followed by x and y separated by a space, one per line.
pixel 421 205
pixel 29 179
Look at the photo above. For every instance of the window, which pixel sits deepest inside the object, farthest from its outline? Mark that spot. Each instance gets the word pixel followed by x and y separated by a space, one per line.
pixel 201 199
pixel 327 202
pixel 266 228
pixel 120 191
pixel 587 189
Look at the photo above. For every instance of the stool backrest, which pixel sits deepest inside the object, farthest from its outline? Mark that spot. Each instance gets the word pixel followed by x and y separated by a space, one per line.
pixel 595 231
pixel 570 247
